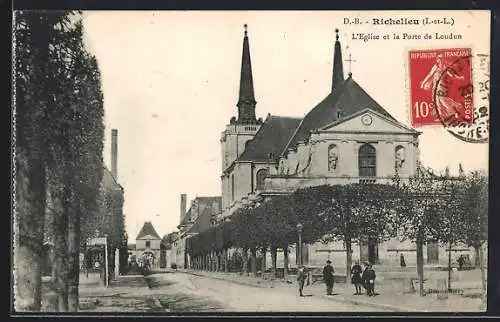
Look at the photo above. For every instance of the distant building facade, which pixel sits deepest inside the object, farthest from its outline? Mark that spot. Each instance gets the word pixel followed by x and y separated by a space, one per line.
pixel 148 244
pixel 200 216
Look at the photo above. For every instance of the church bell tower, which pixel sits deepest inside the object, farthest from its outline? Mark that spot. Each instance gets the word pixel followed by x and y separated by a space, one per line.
pixel 243 128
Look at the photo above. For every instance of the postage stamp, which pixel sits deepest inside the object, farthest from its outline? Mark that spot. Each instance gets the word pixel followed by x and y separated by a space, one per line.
pixel 441 86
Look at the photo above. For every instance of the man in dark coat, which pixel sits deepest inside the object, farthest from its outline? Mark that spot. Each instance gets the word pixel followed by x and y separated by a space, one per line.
pixel 369 280
pixel 328 272
pixel 301 278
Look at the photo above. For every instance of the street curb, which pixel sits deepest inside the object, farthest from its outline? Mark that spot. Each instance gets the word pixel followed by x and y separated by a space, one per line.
pixel 338 299
pixel 371 304
pixel 223 279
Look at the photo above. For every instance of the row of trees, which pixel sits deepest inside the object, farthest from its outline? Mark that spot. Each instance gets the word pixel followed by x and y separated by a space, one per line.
pixel 59 134
pixel 422 209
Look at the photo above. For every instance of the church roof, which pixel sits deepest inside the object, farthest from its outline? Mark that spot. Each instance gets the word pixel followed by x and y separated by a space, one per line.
pixel 270 139
pixel 108 181
pixel 147 229
pixel 347 99
pixel 209 206
pixel 246 100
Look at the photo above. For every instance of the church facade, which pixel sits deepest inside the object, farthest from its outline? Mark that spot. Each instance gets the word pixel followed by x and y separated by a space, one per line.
pixel 346 138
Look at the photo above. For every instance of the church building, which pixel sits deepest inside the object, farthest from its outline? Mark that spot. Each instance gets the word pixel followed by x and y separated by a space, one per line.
pixel 346 138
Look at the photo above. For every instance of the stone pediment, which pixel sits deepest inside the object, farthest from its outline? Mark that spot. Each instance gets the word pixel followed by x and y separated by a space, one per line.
pixel 368 121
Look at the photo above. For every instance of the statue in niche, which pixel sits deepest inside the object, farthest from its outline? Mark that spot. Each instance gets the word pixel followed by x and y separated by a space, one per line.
pixel 333 157
pixel 399 157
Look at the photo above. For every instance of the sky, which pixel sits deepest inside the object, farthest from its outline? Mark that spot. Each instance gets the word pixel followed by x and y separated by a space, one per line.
pixel 170 81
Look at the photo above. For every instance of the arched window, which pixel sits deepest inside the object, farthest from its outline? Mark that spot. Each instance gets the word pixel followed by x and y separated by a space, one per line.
pixel 261 176
pixel 367 161
pixel 232 187
pixel 399 157
pixel 333 157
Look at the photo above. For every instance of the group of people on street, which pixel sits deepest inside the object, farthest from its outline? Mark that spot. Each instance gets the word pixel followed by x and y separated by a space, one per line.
pixel 359 278
pixel 363 278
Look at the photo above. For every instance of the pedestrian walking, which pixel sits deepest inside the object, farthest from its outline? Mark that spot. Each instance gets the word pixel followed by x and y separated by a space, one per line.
pixel 369 280
pixel 461 262
pixel 402 260
pixel 328 277
pixel 356 271
pixel 301 278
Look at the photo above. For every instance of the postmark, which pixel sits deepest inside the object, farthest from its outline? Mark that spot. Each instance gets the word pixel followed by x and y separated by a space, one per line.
pixel 441 87
pixel 476 131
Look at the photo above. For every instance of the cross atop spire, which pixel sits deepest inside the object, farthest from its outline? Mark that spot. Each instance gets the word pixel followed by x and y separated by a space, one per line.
pixel 246 100
pixel 350 60
pixel 338 69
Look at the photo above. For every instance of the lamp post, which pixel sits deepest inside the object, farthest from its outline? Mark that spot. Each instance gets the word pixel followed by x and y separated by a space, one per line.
pixel 106 259
pixel 299 249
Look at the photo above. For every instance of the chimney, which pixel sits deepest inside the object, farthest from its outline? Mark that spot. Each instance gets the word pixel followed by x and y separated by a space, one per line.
pixel 183 205
pixel 114 153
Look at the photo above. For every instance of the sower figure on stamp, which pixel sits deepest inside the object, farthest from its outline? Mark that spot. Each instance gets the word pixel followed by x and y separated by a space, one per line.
pixel 301 278
pixel 447 106
pixel 328 272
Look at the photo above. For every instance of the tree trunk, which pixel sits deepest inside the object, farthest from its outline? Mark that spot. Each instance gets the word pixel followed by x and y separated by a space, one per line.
pixel 483 272
pixel 226 268
pixel 74 259
pixel 111 263
pixel 28 230
pixel 244 269
pixel 449 267
pixel 61 199
pixel 274 254
pixel 420 265
pixel 348 249
pixel 285 262
pixel 263 264
pixel 477 259
pixel 253 262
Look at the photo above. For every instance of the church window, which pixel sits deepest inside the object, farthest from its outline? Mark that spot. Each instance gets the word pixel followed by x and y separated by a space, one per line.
pixel 148 244
pixel 333 157
pixel 232 187
pixel 399 157
pixel 261 176
pixel 367 161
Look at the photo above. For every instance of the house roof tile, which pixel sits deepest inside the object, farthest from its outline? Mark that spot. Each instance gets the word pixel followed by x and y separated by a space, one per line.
pixel 148 229
pixel 347 98
pixel 270 139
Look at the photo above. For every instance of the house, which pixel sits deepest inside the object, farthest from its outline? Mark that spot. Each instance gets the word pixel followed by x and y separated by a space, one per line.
pixel 148 244
pixel 202 215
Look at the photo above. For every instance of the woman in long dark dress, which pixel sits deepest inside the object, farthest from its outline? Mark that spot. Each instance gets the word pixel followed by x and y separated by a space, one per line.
pixel 356 271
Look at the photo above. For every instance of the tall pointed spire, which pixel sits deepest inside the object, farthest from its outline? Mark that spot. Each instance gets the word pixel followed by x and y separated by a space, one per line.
pixel 338 69
pixel 246 101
